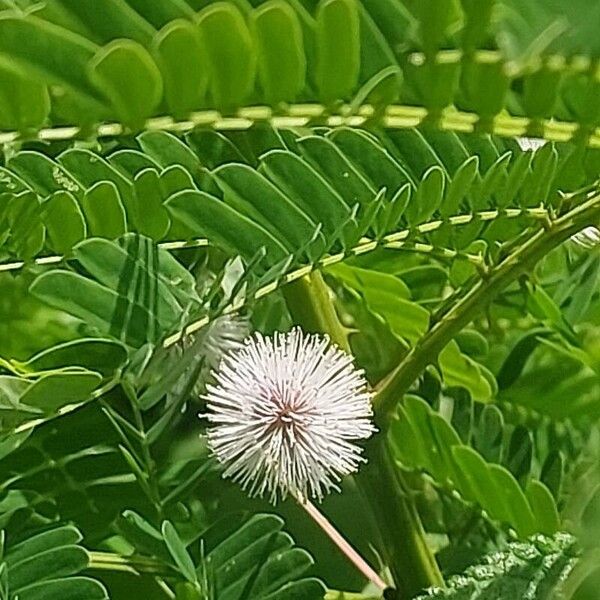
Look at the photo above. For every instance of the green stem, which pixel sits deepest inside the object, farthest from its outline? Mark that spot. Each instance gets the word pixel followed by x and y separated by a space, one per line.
pixel 310 304
pixel 148 462
pixel 405 550
pixel 132 564
pixel 394 116
pixel 522 261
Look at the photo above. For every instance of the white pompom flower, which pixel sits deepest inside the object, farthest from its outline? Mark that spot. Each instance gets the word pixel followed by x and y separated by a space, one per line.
pixel 285 411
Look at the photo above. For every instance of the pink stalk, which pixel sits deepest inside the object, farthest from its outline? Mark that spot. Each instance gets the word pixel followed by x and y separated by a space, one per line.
pixel 335 536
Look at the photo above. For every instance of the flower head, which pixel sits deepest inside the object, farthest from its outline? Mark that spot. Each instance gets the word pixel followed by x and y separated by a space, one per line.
pixel 285 410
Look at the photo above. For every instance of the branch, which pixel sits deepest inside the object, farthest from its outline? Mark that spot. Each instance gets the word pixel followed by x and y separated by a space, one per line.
pixel 395 116
pixel 523 260
pixel 400 240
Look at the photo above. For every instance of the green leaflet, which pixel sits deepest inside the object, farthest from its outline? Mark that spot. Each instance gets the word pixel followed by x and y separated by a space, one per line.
pixel 254 195
pixel 127 75
pixel 231 55
pixel 135 292
pixel 216 220
pixel 31 109
pixel 239 560
pixel 42 397
pixel 280 50
pixel 64 222
pixel 178 51
pixel 307 189
pixel 337 35
pixel 104 355
pixel 46 565
pixel 422 439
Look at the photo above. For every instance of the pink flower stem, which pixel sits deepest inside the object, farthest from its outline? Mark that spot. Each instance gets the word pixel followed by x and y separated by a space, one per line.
pixel 336 537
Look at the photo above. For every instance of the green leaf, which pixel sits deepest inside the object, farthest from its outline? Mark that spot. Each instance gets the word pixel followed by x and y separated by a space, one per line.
pixel 66 535
pixel 485 86
pixel 280 48
pixel 388 296
pixel 54 55
pixel 104 211
pixel 24 102
pixel 42 173
pixel 428 197
pixel 168 150
pixel 130 162
pixel 306 188
pixel 543 507
pixel 125 72
pixel 210 217
pixel 92 168
pixel 255 196
pixel 458 369
pixel 118 20
pixel 338 36
pixel 525 570
pixel 178 551
pixel 74 588
pixel 519 510
pixel 142 535
pixel 178 51
pixel 50 564
pixel 139 293
pixel 422 439
pixel 489 433
pixel 375 162
pixel 151 217
pixel 259 561
pixel 55 390
pixel 45 565
pixel 326 158
pixel 231 54
pixel 27 232
pixel 520 453
pixel 64 221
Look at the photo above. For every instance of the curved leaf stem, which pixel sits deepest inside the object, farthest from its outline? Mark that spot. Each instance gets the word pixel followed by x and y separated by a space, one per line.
pixel 394 116
pixel 523 260
pixel 399 240
pixel 131 564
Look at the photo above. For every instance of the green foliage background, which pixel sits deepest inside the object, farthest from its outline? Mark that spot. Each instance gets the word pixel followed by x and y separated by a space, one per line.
pixel 356 167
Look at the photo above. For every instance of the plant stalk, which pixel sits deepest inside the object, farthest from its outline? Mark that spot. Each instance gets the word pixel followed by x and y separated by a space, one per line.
pixel 310 304
pixel 522 261
pixel 410 560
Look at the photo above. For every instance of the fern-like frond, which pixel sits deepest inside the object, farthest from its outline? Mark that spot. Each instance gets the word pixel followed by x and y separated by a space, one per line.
pixel 142 60
pixel 237 559
pixel 422 439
